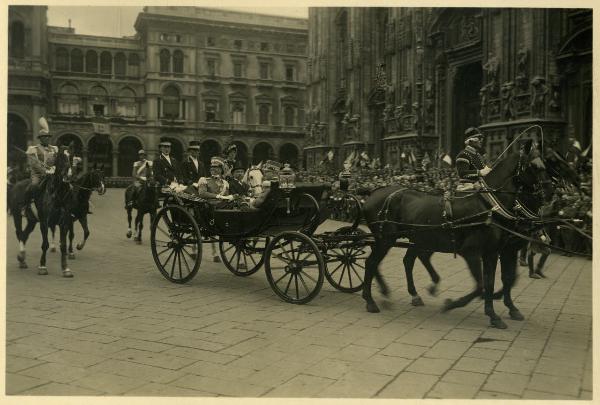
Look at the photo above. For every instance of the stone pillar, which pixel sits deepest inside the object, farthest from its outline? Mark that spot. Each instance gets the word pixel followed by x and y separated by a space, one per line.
pixel 115 161
pixel 84 158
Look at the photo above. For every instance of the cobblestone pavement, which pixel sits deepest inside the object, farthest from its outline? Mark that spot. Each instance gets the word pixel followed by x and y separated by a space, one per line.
pixel 119 328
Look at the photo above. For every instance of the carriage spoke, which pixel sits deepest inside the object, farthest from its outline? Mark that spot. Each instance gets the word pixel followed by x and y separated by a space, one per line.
pixel 293 251
pixel 231 246
pixel 359 265
pixel 280 278
pixel 246 262
pixel 287 288
pixel 188 253
pixel 186 263
pixel 331 273
pixel 349 276
pixel 303 282
pixel 168 258
pixel 309 276
pixel 283 252
pixel 239 253
pixel 179 263
pixel 163 231
pixel 342 275
pixel 173 264
pixel 252 258
pixel 297 289
pixel 357 275
pixel 163 251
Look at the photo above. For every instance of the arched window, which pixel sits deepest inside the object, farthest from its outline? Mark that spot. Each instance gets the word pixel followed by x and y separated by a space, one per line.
pixel 134 64
pixel 288 113
pixel 105 63
pixel 171 102
pixel 126 105
pixel 98 101
pixel 120 64
pixel 165 61
pixel 237 112
pixel 76 60
pixel 16 46
pixel 263 114
pixel 68 100
pixel 91 62
pixel 62 60
pixel 210 108
pixel 178 61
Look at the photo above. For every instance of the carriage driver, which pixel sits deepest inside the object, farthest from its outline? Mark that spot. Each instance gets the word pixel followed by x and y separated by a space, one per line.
pixel 41 160
pixel 215 187
pixel 142 169
pixel 470 163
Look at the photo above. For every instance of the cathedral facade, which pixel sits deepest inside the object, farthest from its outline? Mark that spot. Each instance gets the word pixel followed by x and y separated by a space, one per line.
pixel 400 81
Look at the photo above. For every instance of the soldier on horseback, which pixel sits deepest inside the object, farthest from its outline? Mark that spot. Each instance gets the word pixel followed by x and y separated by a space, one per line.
pixel 470 163
pixel 41 158
pixel 142 169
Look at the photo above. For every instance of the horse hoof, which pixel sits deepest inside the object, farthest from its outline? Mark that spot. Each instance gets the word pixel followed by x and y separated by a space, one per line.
pixel 72 256
pixel 498 323
pixel 448 305
pixel 432 290
pixel 539 273
pixel 534 275
pixel 53 249
pixel 516 315
pixel 42 271
pixel 67 273
pixel 417 302
pixel 23 265
pixel 372 308
pixel 129 233
pixel 522 263
pixel 217 259
pixel 79 247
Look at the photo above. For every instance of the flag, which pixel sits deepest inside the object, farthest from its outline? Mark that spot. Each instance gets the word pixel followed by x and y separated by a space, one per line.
pixel 587 150
pixel 101 128
pixel 447 159
pixel 425 161
pixel 350 158
pixel 412 158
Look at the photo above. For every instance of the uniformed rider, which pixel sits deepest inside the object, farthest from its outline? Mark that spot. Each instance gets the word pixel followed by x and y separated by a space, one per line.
pixel 142 169
pixel 470 163
pixel 41 159
pixel 215 187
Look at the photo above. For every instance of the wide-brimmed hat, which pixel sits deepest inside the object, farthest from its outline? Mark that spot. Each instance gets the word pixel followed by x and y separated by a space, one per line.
pixel 141 152
pixel 164 142
pixel 472 133
pixel 194 145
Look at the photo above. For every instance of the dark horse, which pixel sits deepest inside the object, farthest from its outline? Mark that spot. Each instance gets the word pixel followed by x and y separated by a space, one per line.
pixel 83 187
pixel 54 204
pixel 420 218
pixel 146 202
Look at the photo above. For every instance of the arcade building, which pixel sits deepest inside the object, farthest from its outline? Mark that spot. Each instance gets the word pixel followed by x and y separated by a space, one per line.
pixel 187 74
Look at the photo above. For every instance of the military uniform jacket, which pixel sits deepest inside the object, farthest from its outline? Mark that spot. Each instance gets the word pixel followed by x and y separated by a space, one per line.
pixel 190 173
pixel 142 169
pixel 41 158
pixel 165 172
pixel 210 187
pixel 468 162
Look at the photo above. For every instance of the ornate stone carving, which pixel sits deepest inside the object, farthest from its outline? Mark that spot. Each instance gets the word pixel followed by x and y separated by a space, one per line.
pixel 469 28
pixel 539 89
pixel 429 107
pixel 492 66
pixel 508 94
pixel 416 107
pixel 554 102
pixel 483 101
pixel 522 68
pixel 406 93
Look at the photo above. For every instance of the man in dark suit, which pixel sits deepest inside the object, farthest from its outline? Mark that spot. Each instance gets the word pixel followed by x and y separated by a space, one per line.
pixel 192 168
pixel 166 168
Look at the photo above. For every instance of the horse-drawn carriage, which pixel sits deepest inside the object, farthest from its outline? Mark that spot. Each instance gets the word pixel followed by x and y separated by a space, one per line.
pixel 280 235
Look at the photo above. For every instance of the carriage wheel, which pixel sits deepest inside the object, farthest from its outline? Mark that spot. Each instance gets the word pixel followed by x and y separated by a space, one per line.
pixel 347 262
pixel 312 219
pixel 294 267
pixel 243 257
pixel 351 208
pixel 176 244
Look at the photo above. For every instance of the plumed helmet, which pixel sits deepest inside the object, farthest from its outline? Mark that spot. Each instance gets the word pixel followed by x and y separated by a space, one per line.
pixel 44 128
pixel 217 161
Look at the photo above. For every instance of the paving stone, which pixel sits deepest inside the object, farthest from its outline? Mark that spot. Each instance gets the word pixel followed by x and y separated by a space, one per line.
pixel 356 385
pixel 29 351
pixel 60 389
pixel 532 394
pixel 426 365
pixel 481 353
pixel 219 371
pixel 17 383
pixel 164 390
pixel 447 390
pixel 56 372
pixel 448 349
pixel 72 358
pixel 110 384
pixel 516 365
pixel 409 385
pixel 388 365
pixel 404 350
pixel 353 353
pixel 17 363
pixel 153 359
pixel 135 370
pixel 301 386
pixel 506 382
pixel 475 365
pixel 465 378
pixel 463 335
pixel 495 395
pixel 331 368
pixel 555 384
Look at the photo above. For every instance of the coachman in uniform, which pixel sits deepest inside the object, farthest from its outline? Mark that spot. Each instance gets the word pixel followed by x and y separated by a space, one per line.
pixel 166 167
pixel 470 163
pixel 192 168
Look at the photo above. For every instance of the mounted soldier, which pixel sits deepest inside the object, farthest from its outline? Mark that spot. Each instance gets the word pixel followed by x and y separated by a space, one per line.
pixel 470 163
pixel 166 167
pixel 192 168
pixel 142 169
pixel 41 158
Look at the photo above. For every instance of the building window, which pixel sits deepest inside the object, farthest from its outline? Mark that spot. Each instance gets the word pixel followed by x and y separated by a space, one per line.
pixel 163 37
pixel 264 70
pixel 210 41
pixel 210 109
pixel 177 38
pixel 211 67
pixel 170 102
pixel 98 100
pixel 264 46
pixel 290 73
pixel 16 46
pixel 237 69
pixel 62 60
pixel 263 114
pixel 288 113
pixel 134 64
pixel 105 63
pixel 120 64
pixel 68 100
pixel 91 62
pixel 178 61
pixel 126 105
pixel 237 112
pixel 76 60
pixel 165 61
pixel 237 44
pixel 98 109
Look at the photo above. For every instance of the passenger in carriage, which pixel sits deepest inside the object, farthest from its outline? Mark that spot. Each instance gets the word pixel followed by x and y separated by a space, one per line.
pixel 470 163
pixel 236 184
pixel 270 171
pixel 215 188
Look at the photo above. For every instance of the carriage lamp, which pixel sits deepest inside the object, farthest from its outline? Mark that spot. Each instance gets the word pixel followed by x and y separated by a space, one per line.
pixel 345 180
pixel 287 178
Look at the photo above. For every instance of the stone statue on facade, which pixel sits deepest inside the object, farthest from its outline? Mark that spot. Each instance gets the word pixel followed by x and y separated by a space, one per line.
pixel 417 121
pixel 483 96
pixel 539 89
pixel 554 102
pixel 492 66
pixel 522 68
pixel 406 93
pixel 508 100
